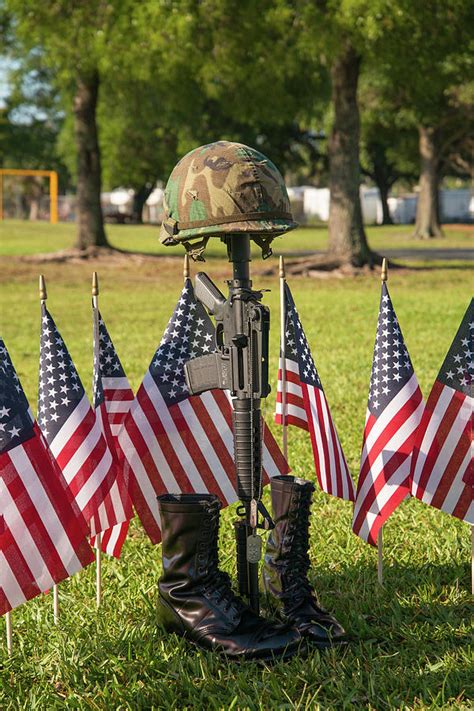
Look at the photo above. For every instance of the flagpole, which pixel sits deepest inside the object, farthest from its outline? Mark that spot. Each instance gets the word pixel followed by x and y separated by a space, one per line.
pixel 384 278
pixel 98 538
pixel 8 620
pixel 43 294
pixel 282 356
pixel 380 556
pixel 186 267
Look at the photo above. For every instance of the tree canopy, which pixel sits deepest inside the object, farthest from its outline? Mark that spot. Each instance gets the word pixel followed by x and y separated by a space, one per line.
pixel 333 92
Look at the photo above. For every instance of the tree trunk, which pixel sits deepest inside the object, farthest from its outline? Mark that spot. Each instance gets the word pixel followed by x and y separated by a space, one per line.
pixel 139 200
pixel 90 222
pixel 347 239
pixel 427 220
pixel 384 190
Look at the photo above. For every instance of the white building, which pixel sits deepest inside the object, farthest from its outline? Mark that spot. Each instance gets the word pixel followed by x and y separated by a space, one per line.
pixel 312 204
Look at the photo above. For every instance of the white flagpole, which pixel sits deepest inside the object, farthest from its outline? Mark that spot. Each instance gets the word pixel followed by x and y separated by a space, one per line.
pixel 98 538
pixel 384 278
pixel 8 620
pixel 282 355
pixel 98 570
pixel 55 604
pixel 380 556
pixel 43 294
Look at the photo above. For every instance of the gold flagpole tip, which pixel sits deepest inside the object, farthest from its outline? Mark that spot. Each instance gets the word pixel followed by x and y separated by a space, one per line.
pixel 186 266
pixel 42 288
pixel 384 272
pixel 95 284
pixel 282 268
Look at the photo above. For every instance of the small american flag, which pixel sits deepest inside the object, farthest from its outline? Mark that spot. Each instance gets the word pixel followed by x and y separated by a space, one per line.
pixel 442 466
pixel 72 430
pixel 174 442
pixel 306 407
pixel 43 537
pixel 393 414
pixel 112 399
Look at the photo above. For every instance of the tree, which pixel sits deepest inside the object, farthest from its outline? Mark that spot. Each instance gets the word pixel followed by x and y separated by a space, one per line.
pixel 30 121
pixel 388 137
pixel 73 39
pixel 165 109
pixel 426 51
pixel 335 36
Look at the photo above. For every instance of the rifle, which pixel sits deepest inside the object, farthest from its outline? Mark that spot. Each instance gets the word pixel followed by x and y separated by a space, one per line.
pixel 240 365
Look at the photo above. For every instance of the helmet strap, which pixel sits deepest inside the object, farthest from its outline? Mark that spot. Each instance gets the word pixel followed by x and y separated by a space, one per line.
pixel 196 249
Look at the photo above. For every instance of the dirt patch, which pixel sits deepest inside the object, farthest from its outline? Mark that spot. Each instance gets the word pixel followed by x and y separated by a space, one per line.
pixel 97 254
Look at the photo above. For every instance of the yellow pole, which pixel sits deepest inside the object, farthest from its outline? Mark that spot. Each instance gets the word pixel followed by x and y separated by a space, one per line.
pixel 53 197
pixel 1 196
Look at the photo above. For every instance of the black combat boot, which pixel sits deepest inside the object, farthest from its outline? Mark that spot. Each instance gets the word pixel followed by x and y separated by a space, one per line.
pixel 287 563
pixel 195 598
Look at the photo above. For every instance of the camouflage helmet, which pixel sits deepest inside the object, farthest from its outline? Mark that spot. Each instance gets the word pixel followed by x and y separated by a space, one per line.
pixel 224 188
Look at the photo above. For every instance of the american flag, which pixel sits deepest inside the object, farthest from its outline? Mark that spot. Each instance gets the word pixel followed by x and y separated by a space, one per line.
pixel 112 399
pixel 393 414
pixel 306 407
pixel 72 430
pixel 174 442
pixel 442 465
pixel 43 537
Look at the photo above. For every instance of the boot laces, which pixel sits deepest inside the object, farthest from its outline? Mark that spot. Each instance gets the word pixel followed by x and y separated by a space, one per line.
pixel 297 587
pixel 215 584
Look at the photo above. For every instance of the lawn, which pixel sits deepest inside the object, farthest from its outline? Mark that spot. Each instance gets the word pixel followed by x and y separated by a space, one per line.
pixel 412 637
pixel 19 237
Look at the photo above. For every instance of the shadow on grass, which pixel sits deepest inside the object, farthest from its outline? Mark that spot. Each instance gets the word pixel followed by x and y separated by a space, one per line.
pixel 409 648
pixel 417 604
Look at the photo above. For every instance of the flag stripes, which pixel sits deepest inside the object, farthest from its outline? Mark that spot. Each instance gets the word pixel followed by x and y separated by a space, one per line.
pixel 118 397
pixel 44 540
pixel 112 399
pixel 173 442
pixel 385 468
pixel 187 447
pixel 294 401
pixel 306 407
pixel 445 443
pixel 443 462
pixel 394 410
pixel 71 427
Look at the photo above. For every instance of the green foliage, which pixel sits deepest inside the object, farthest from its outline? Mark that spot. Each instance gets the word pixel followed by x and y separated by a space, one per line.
pixel 412 640
pixel 176 73
pixel 30 121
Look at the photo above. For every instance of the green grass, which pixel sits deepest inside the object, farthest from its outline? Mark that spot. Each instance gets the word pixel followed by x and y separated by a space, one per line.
pixel 22 237
pixel 412 638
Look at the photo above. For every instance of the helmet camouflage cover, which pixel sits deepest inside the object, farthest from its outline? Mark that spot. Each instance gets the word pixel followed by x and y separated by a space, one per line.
pixel 224 188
